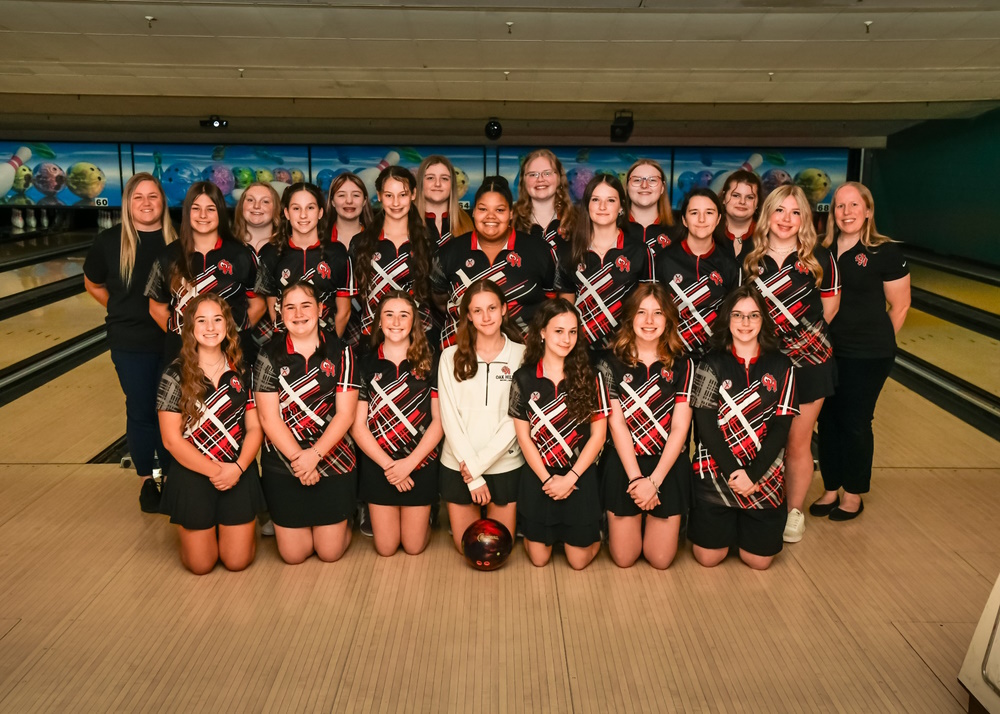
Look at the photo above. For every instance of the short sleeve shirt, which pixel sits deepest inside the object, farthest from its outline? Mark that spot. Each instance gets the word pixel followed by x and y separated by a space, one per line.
pixel 390 271
pixel 327 267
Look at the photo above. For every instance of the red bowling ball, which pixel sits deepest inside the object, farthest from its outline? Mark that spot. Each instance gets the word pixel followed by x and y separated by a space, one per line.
pixel 487 544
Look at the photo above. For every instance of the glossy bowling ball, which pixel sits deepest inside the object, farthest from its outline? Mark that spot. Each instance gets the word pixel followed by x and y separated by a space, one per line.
pixel 487 544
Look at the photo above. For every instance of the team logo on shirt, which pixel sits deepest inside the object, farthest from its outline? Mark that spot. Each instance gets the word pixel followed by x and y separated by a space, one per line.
pixel 514 259
pixel 285 275
pixel 663 239
pixel 505 370
pixel 535 396
pixel 769 382
pixel 800 266
pixel 678 278
pixel 376 256
pixel 235 382
pixel 324 270
pixel 623 263
pixel 727 384
pixel 326 366
pixel 627 379
pixel 581 267
pixel 861 259
pixel 226 267
pixel 715 277
pixel 377 377
pixel 469 263
pixel 285 371
pixel 667 374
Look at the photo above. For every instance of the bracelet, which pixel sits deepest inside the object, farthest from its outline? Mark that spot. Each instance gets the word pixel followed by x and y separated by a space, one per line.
pixel 654 484
pixel 547 480
pixel 242 470
pixel 572 471
pixel 313 447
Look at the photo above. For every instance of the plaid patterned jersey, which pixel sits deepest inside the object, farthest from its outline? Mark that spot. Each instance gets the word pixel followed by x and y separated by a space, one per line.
pixel 307 392
pixel 601 286
pixel 796 305
pixel 656 235
pixel 229 270
pixel 698 284
pixel 221 425
pixel 352 333
pixel 550 233
pixel 744 397
pixel 438 239
pixel 390 271
pixel 647 395
pixel 399 404
pixel 327 267
pixel 536 400
pixel 525 269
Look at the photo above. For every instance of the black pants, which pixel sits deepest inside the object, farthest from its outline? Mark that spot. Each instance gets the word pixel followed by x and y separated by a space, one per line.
pixel 846 442
pixel 139 376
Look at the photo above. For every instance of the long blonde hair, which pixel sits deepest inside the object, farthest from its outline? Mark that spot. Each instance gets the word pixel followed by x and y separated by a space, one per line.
pixel 130 236
pixel 807 233
pixel 870 237
pixel 461 222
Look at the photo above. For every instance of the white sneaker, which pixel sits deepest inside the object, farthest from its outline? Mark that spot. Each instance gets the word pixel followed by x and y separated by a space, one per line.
pixel 795 526
pixel 267 529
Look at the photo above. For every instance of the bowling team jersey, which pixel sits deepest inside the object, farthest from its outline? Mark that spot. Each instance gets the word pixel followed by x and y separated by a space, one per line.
pixel 390 270
pixel 730 241
pixel 656 236
pixel 307 390
pixel 738 405
pixel 327 267
pixel 436 238
pixel 221 425
pixel 647 395
pixel 601 286
pixel 698 284
pixel 796 306
pixel 550 233
pixel 352 333
pixel 525 269
pixel 536 400
pixel 229 270
pixel 399 404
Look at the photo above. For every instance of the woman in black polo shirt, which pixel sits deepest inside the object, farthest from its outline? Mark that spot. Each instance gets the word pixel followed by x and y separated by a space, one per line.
pixel 873 272
pixel 115 273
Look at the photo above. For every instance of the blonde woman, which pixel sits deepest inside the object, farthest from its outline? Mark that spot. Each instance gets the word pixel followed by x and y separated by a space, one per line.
pixel 437 200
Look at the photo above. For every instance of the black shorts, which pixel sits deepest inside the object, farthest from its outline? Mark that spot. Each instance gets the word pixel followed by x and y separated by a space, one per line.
pixel 815 381
pixel 502 486
pixel 755 530
pixel 674 491
pixel 373 487
pixel 293 505
pixel 192 502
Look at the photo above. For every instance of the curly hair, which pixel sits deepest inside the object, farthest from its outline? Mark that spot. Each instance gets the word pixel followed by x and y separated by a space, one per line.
pixel 466 359
pixel 565 211
pixel 722 338
pixel 193 380
pixel 583 233
pixel 240 223
pixel 365 217
pixel 663 211
pixel 742 176
pixel 870 237
pixel 581 394
pixel 806 238
pixel 419 353
pixel 670 345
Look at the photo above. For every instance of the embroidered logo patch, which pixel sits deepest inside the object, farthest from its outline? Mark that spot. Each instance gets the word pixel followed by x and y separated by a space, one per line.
pixel 285 275
pixel 715 277
pixel 235 382
pixel 469 263
pixel 327 367
pixel 663 239
pixel 324 270
pixel 727 384
pixel 285 371
pixel 667 374
pixel 514 259
pixel 678 278
pixel 534 397
pixel 623 263
pixel 769 382
pixel 225 267
pixel 627 379
pixel 861 259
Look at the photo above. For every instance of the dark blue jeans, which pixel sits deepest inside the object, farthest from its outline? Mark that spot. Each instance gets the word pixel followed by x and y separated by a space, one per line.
pixel 139 376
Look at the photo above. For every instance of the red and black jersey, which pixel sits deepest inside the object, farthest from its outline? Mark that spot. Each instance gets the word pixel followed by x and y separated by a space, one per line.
pixel 601 286
pixel 550 233
pixel 307 392
pixel 724 237
pixel 327 267
pixel 647 395
pixel 698 284
pixel 741 401
pixel 390 271
pixel 399 404
pixel 229 270
pixel 221 425
pixel 536 400
pixel 796 305
pixel 656 236
pixel 525 269
pixel 436 238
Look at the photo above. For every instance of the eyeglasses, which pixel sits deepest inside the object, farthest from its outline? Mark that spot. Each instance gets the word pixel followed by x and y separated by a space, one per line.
pixel 744 316
pixel 651 181
pixel 535 175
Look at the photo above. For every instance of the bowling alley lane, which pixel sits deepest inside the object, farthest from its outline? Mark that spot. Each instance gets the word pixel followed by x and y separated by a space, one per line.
pixel 955 287
pixel 39 274
pixel 17 253
pixel 964 353
pixel 35 331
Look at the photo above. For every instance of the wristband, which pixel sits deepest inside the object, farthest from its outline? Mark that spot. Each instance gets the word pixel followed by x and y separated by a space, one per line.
pixel 547 480
pixel 573 471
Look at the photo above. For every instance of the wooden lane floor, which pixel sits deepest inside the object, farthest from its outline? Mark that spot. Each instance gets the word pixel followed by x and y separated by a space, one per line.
pixel 964 290
pixel 962 352
pixel 96 613
pixel 33 276
pixel 32 332
pixel 25 248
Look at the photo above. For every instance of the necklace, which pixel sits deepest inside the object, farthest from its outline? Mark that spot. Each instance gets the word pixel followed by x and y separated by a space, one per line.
pixel 772 249
pixel 215 369
pixel 544 225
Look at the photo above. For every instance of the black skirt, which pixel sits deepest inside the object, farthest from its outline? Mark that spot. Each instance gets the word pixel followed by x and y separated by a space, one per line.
pixel 575 520
pixel 192 502
pixel 816 381
pixel 374 488
pixel 675 491
pixel 293 505
pixel 503 487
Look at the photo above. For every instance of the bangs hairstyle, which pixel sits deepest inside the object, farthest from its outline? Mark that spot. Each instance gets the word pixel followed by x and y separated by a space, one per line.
pixel 806 239
pixel 365 217
pixel 130 235
pixel 181 270
pixel 466 359
pixel 194 390
pixel 460 221
pixel 581 389
pixel 664 214
pixel 419 354
pixel 240 223
pixel 565 212
pixel 723 337
pixel 669 346
pixel 870 237
pixel 303 285
pixel 583 234
pixel 750 179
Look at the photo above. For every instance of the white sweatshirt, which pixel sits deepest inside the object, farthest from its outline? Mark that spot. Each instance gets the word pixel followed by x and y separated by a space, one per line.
pixel 477 429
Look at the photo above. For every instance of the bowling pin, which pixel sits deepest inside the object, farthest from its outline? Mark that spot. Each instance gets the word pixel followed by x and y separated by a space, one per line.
pixel 751 164
pixel 45 218
pixel 368 176
pixel 17 218
pixel 30 219
pixel 9 168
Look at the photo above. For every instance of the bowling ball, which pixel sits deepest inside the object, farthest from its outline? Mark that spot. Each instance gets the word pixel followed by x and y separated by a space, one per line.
pixel 243 176
pixel 297 176
pixel 773 178
pixel 264 176
pixel 815 182
pixel 177 180
pixel 221 176
pixel 461 182
pixel 703 178
pixel 578 179
pixel 49 178
pixel 85 179
pixel 487 544
pixel 283 175
pixel 22 179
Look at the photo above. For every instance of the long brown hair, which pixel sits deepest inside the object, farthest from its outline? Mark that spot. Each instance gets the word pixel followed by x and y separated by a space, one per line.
pixel 240 223
pixel 564 204
pixel 722 338
pixel 670 345
pixel 870 237
pixel 181 270
pixel 581 393
pixel 367 215
pixel 583 232
pixel 663 210
pixel 193 379
pixel 466 359
pixel 130 236
pixel 461 223
pixel 807 233
pixel 419 353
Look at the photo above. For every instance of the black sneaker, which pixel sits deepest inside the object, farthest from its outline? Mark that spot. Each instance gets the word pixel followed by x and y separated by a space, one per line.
pixel 149 497
pixel 365 521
